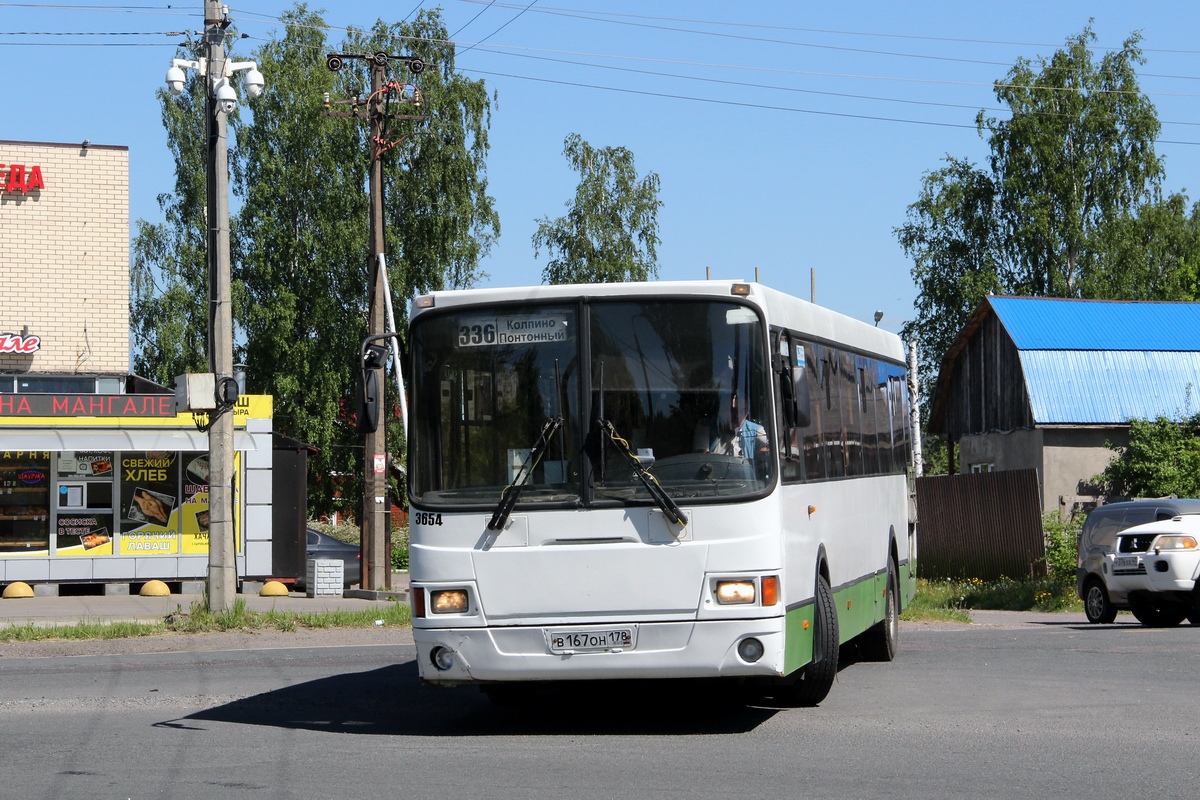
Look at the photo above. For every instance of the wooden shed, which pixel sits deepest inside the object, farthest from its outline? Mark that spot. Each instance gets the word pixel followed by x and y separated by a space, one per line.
pixel 1048 383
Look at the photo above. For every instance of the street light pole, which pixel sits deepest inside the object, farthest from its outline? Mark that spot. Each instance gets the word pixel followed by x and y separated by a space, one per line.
pixel 222 567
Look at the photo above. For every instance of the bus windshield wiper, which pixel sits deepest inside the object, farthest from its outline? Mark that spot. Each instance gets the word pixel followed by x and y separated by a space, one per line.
pixel 672 511
pixel 508 498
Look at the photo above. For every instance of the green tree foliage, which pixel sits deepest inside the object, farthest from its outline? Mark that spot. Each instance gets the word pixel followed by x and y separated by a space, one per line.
pixel 300 239
pixel 955 243
pixel 1068 205
pixel 1154 255
pixel 1161 459
pixel 1076 151
pixel 610 231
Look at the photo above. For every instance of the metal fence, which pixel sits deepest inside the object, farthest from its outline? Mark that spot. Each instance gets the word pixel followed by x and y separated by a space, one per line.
pixel 982 525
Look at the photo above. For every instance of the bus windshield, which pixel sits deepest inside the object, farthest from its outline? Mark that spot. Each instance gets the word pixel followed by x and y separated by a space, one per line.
pixel 676 390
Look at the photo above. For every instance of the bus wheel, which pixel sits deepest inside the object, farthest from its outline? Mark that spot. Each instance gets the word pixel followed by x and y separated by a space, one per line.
pixel 818 676
pixel 881 641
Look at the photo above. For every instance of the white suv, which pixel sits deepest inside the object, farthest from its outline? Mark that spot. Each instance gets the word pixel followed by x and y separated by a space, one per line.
pixel 1156 565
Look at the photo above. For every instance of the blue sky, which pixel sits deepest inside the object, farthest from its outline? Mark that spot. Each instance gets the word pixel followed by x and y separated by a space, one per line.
pixel 788 136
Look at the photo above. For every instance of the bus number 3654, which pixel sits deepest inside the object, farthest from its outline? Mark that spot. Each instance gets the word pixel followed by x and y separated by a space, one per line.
pixel 426 518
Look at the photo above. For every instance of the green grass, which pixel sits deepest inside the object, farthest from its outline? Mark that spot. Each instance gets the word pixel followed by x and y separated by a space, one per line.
pixel 949 600
pixel 198 619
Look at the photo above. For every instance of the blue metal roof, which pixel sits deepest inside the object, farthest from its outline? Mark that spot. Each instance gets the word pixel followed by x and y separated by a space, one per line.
pixel 1106 387
pixel 1040 323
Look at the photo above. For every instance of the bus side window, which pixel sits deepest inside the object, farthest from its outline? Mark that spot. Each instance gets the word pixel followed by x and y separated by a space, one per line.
pixel 793 405
pixel 814 451
pixel 883 418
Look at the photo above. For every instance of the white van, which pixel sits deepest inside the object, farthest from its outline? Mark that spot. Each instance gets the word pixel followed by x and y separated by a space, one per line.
pixel 1156 566
pixel 1101 601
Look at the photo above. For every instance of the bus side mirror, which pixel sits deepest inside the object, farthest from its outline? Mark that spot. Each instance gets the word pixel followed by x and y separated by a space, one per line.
pixel 374 356
pixel 368 401
pixel 787 396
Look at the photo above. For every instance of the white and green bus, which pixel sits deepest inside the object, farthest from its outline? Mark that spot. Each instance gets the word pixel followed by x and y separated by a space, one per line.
pixel 704 479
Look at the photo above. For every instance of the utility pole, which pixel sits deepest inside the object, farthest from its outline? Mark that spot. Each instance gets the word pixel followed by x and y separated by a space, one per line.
pixel 374 518
pixel 222 569
pixel 222 388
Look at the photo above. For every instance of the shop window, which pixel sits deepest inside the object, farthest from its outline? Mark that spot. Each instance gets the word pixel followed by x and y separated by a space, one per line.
pixel 84 516
pixel 45 384
pixel 24 503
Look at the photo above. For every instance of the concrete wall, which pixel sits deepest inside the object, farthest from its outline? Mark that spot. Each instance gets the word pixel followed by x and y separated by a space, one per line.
pixel 1066 458
pixel 1071 457
pixel 64 262
pixel 1020 449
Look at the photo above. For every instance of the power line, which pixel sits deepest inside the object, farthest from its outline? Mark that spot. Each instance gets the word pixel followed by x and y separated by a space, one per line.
pixel 744 104
pixel 743 84
pixel 472 19
pixel 416 8
pixel 728 24
pixel 500 50
pixel 502 27
pixel 94 33
pixel 718 101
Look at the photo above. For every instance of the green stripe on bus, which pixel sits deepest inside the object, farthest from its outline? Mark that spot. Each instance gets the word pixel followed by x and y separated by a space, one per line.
pixel 797 638
pixel 859 606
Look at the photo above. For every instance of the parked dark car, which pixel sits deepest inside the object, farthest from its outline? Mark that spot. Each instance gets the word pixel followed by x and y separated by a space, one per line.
pixel 322 545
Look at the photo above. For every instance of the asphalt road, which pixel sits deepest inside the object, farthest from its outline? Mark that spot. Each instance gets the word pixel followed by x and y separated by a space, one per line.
pixel 1037 707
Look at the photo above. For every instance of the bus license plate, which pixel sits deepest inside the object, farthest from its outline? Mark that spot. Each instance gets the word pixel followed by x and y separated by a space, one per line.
pixel 563 641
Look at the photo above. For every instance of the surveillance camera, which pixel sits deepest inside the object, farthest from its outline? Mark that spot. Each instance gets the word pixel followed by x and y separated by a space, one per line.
pixel 175 79
pixel 254 83
pixel 226 98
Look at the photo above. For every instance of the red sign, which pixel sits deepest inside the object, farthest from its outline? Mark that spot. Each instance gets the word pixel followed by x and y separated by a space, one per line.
pixel 16 343
pixel 18 181
pixel 31 477
pixel 87 405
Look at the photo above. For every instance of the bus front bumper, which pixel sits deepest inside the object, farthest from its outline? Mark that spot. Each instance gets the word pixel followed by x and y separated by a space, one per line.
pixel 706 649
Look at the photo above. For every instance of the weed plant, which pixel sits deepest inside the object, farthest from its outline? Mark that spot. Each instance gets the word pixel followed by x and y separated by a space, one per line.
pixel 950 599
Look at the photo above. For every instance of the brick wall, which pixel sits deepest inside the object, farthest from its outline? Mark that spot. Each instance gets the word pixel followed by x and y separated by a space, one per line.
pixel 64 258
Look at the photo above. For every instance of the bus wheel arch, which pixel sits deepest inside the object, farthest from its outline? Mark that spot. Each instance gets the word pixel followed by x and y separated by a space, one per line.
pixel 881 641
pixel 811 684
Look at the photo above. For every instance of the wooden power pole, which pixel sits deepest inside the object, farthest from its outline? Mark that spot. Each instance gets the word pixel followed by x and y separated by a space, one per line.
pixel 374 517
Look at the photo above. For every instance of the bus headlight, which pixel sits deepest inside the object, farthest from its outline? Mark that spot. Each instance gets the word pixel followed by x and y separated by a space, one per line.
pixel 448 601
pixel 735 592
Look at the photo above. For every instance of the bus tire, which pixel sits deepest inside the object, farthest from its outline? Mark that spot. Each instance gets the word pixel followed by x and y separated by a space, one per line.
pixel 881 642
pixel 817 678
